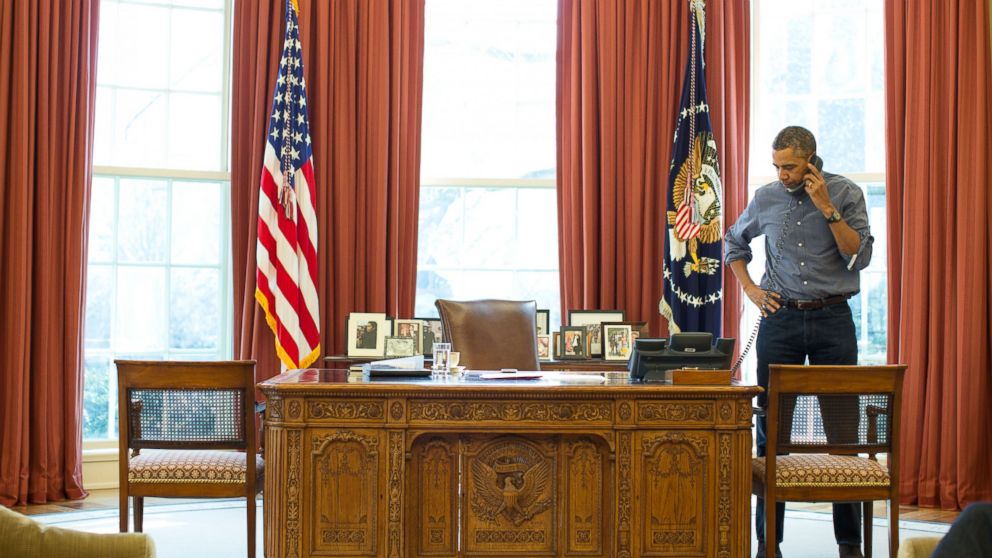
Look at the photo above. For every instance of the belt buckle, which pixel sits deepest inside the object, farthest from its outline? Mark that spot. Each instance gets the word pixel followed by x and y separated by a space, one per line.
pixel 808 304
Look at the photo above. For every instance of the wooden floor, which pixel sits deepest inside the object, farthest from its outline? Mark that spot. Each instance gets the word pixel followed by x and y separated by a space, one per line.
pixel 107 499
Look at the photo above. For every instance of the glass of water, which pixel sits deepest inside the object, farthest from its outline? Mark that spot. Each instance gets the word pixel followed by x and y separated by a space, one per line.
pixel 442 359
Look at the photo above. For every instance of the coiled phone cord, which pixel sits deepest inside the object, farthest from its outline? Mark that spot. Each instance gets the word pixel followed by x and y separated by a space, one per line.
pixel 772 283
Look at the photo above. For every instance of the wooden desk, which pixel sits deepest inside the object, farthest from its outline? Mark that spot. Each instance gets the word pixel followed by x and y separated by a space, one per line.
pixel 554 467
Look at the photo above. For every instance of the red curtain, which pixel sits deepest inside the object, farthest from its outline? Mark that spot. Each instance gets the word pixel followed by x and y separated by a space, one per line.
pixel 938 163
pixel 620 67
pixel 364 70
pixel 47 92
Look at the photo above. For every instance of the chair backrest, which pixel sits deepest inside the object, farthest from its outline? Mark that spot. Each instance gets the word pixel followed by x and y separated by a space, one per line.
pixel 186 405
pixel 491 334
pixel 834 409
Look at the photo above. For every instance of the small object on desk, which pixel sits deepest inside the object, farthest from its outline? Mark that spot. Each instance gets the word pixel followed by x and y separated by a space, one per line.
pixel 457 370
pixel 514 375
pixel 508 370
pixel 689 377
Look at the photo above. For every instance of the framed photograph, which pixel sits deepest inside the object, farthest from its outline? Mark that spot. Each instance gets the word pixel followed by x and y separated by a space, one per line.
pixel 593 321
pixel 366 334
pixel 617 342
pixel 637 329
pixel 555 345
pixel 574 342
pixel 400 346
pixel 410 328
pixel 431 334
pixel 543 347
pixel 543 322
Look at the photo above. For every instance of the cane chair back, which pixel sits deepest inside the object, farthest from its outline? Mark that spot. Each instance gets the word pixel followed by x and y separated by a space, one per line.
pixel 187 430
pixel 826 427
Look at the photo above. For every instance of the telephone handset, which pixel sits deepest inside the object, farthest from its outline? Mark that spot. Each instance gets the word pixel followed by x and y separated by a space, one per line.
pixel 817 162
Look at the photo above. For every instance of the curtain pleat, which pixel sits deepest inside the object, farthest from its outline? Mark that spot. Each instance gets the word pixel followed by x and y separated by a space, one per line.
pixel 938 163
pixel 47 99
pixel 620 67
pixel 363 61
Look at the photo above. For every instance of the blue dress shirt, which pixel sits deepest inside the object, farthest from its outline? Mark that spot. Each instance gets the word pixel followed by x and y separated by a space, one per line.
pixel 802 259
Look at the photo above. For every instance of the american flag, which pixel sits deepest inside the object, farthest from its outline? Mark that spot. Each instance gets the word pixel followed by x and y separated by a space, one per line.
pixel 286 281
pixel 694 248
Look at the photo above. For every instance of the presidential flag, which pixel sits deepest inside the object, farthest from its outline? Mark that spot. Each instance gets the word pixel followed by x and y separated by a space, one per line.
pixel 286 280
pixel 694 245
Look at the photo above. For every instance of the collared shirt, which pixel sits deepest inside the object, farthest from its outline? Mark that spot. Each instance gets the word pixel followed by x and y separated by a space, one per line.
pixel 802 259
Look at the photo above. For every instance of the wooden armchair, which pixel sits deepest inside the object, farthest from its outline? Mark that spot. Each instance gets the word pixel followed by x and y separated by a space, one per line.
pixel 828 418
pixel 197 421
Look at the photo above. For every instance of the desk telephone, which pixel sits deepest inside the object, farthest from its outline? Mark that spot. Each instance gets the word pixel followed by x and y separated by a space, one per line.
pixel 772 279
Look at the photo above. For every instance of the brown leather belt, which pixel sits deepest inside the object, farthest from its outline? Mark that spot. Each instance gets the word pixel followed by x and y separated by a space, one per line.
pixel 818 303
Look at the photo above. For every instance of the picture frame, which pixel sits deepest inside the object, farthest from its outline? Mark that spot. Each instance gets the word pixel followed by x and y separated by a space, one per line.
pixel 593 321
pixel 637 329
pixel 574 343
pixel 543 322
pixel 555 345
pixel 543 347
pixel 400 346
pixel 365 334
pixel 617 342
pixel 432 332
pixel 410 328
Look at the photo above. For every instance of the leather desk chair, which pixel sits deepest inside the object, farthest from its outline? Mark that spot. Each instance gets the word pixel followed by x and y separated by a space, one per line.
pixel 491 334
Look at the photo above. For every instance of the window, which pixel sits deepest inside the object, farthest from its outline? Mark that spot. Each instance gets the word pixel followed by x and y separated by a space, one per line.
pixel 158 283
pixel 820 65
pixel 488 213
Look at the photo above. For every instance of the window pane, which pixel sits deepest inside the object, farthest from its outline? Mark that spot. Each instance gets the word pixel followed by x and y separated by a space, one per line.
pixel 195 131
pixel 828 79
pixel 139 128
pixel 489 89
pixel 140 309
pixel 196 61
pixel 101 245
pixel 142 46
pixel 142 222
pixel 196 218
pixel 99 301
pixel 99 394
pixel 195 309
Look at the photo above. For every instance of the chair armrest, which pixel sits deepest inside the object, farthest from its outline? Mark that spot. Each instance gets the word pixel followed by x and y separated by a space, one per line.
pixel 873 411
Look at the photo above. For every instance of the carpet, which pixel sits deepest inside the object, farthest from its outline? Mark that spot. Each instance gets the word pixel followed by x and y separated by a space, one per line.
pixel 216 529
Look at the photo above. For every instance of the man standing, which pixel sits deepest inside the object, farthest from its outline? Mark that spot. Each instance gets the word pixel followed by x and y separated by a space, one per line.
pixel 817 240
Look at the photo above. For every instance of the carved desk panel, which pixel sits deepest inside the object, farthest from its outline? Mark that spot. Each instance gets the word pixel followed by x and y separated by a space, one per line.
pixel 556 467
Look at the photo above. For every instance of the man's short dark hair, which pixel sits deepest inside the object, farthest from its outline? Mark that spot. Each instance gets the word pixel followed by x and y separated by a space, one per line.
pixel 798 138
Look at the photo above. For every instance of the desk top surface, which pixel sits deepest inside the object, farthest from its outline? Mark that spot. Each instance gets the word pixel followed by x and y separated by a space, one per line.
pixel 334 380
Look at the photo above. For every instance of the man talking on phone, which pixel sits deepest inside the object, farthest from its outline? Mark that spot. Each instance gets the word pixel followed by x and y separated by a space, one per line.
pixel 817 240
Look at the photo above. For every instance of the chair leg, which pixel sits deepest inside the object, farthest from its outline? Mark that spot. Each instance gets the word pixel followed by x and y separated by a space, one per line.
pixel 251 525
pixel 771 529
pixel 139 514
pixel 867 513
pixel 894 526
pixel 123 508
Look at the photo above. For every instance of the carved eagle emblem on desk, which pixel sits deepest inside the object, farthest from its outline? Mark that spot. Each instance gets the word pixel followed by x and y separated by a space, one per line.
pixel 511 489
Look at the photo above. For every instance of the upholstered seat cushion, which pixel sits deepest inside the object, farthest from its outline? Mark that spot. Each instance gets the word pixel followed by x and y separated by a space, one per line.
pixel 191 466
pixel 819 470
pixel 20 536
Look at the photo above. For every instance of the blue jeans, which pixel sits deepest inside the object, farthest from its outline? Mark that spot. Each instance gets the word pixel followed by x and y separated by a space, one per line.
pixel 790 336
